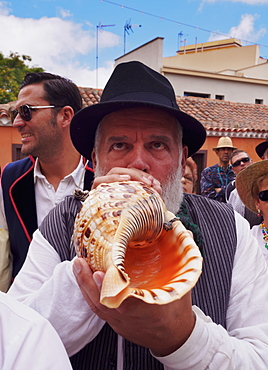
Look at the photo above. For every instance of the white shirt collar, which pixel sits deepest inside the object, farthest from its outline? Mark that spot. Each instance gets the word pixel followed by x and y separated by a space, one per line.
pixel 76 174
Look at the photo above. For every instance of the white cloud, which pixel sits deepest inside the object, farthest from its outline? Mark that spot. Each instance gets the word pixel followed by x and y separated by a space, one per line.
pixel 64 13
pixel 244 31
pixel 56 44
pixel 4 8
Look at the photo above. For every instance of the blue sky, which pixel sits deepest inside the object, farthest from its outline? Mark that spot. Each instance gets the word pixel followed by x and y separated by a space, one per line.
pixel 60 35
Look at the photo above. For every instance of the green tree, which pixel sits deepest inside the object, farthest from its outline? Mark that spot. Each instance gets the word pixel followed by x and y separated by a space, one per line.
pixel 12 71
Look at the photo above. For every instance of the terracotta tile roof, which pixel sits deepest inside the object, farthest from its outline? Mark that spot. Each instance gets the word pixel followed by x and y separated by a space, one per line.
pixel 90 96
pixel 220 115
pixel 216 115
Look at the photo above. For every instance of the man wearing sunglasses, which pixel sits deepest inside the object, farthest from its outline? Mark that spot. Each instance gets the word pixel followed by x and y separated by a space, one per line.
pixel 52 169
pixel 239 161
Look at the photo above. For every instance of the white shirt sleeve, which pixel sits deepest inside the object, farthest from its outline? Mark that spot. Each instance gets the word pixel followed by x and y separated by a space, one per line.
pixel 5 254
pixel 49 286
pixel 28 341
pixel 244 345
pixel 3 221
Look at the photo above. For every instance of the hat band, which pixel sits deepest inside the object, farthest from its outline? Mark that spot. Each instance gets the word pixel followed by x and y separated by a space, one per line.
pixel 144 97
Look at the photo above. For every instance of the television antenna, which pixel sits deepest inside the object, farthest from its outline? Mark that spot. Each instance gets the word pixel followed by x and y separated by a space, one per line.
pixel 180 34
pixel 99 27
pixel 127 28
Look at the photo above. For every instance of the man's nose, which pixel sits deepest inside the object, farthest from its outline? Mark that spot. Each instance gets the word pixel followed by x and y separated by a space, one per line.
pixel 138 159
pixel 18 121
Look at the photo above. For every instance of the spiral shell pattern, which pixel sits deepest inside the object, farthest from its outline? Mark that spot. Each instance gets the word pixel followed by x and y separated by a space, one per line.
pixel 125 230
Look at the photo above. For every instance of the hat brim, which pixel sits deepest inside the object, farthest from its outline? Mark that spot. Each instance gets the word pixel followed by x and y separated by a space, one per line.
pixel 260 149
pixel 245 180
pixel 85 122
pixel 225 146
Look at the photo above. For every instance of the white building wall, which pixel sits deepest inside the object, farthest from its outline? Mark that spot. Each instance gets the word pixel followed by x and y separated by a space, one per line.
pixel 216 60
pixel 232 91
pixel 150 54
pixel 185 71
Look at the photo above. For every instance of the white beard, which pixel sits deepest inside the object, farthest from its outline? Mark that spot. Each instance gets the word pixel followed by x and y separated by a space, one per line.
pixel 172 191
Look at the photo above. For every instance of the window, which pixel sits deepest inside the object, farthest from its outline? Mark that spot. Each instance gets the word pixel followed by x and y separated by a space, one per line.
pixel 16 152
pixel 258 101
pixel 219 97
pixel 198 95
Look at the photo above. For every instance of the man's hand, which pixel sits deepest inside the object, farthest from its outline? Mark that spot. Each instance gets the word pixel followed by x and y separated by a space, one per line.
pixel 128 174
pixel 162 328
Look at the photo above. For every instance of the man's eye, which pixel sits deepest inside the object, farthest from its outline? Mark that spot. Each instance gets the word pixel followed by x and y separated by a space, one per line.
pixel 118 146
pixel 158 145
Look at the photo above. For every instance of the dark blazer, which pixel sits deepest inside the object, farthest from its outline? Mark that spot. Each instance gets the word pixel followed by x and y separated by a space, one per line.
pixel 17 182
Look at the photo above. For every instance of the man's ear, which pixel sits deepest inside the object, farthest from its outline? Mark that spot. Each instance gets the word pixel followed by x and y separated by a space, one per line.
pixel 93 158
pixel 65 115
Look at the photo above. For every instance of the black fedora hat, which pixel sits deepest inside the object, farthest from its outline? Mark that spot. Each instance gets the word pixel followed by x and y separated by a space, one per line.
pixel 131 85
pixel 260 149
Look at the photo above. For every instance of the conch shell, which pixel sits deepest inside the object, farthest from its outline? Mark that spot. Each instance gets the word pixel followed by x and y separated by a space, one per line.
pixel 125 230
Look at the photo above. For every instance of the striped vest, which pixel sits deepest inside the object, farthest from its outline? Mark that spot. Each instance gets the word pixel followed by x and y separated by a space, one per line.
pixel 211 294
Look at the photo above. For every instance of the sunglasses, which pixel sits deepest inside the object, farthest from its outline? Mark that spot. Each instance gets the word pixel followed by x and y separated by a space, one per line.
pixel 244 160
pixel 187 179
pixel 25 111
pixel 263 195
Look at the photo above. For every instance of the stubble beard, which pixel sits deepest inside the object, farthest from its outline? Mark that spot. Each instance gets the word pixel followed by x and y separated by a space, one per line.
pixel 172 190
pixel 47 147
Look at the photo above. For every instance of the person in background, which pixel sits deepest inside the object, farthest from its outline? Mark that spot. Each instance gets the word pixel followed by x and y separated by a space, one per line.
pixel 239 161
pixel 252 187
pixel 138 133
pixel 262 149
pixel 31 187
pixel 214 179
pixel 27 340
pixel 189 178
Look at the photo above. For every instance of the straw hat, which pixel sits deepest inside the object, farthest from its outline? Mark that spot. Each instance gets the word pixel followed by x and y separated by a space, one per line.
pixel 246 179
pixel 224 142
pixel 260 149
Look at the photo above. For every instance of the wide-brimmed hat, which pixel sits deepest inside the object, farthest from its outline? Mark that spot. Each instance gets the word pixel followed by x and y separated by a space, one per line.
pixel 246 179
pixel 131 85
pixel 260 149
pixel 224 142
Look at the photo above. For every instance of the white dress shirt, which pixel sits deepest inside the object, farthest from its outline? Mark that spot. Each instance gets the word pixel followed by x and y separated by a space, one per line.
pixel 49 286
pixel 28 341
pixel 256 231
pixel 46 197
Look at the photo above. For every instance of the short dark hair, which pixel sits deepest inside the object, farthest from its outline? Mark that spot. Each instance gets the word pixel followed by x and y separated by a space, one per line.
pixel 58 90
pixel 237 151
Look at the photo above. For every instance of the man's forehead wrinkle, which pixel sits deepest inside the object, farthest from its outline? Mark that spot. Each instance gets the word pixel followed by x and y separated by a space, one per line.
pixel 154 137
pixel 118 138
pixel 164 138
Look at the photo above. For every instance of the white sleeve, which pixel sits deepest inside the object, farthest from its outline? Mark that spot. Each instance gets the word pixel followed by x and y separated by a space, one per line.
pixel 49 286
pixel 244 343
pixel 5 254
pixel 3 221
pixel 28 341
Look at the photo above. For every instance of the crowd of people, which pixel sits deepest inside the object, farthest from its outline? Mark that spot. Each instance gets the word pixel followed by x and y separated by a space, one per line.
pixel 135 133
